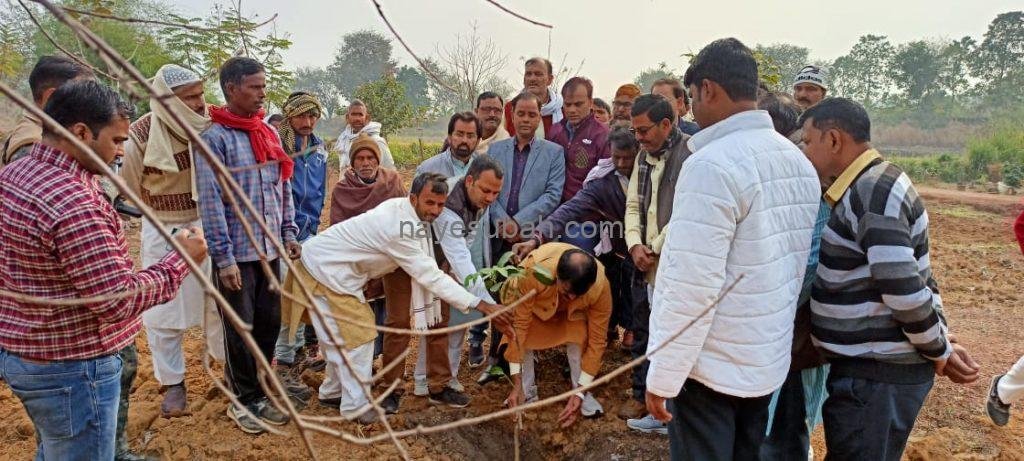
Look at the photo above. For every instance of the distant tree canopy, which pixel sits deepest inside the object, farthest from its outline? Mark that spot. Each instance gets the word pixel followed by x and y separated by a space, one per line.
pixel 146 46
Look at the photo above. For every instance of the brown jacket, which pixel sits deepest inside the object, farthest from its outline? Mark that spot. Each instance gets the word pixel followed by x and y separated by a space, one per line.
pixel 542 323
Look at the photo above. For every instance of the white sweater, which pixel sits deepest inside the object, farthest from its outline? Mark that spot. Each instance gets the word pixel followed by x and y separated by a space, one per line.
pixel 348 254
pixel 745 203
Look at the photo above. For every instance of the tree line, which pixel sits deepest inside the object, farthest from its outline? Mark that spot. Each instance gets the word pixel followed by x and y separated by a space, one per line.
pixel 925 82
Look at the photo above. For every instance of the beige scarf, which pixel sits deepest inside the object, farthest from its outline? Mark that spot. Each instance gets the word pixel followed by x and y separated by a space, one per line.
pixel 165 136
pixel 426 307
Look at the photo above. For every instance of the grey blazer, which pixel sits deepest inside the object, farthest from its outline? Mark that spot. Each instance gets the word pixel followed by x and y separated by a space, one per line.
pixel 543 178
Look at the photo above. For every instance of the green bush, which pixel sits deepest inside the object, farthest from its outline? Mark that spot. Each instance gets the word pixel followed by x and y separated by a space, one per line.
pixel 1004 145
pixel 411 154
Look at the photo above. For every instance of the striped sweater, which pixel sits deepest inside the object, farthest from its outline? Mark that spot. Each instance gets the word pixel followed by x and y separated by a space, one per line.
pixel 876 309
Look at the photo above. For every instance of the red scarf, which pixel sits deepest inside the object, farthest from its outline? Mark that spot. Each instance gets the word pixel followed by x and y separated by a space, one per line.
pixel 264 141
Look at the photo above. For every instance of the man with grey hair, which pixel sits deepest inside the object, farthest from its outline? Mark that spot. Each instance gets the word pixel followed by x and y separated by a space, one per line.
pixel 357 120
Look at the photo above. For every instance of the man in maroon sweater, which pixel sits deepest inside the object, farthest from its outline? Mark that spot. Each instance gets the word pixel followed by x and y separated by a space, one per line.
pixel 584 141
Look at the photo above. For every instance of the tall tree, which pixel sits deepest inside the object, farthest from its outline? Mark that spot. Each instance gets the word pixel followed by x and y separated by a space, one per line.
pixel 915 69
pixel 363 57
pixel 1000 56
pixel 861 74
pixel 953 78
pixel 417 87
pixel 787 60
pixel 316 80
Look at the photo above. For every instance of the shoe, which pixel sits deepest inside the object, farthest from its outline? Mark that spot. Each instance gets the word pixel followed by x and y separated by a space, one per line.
pixel 332 403
pixel 632 409
pixel 314 359
pixel 390 403
pixel 271 415
pixel 476 355
pixel 368 417
pixel 998 411
pixel 455 384
pixel 175 401
pixel 493 373
pixel 450 397
pixel 298 390
pixel 246 423
pixel 128 455
pixel 627 341
pixel 648 425
pixel 591 408
pixel 420 387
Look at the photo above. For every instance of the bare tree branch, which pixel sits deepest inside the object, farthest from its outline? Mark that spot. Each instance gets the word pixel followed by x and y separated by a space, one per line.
pixel 155 22
pixel 423 65
pixel 513 13
pixel 57 45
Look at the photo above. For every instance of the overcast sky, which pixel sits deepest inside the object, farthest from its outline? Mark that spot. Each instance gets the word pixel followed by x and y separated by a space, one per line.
pixel 616 39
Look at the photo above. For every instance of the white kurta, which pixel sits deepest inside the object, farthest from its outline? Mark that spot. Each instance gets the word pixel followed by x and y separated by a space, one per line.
pixel 186 309
pixel 348 254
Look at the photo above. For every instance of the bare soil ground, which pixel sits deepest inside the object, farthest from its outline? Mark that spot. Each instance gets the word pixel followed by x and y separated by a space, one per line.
pixel 977 263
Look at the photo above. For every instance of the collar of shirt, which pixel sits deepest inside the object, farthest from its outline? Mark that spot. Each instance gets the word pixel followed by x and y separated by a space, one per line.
pixel 746 120
pixel 845 180
pixel 623 180
pixel 59 159
pixel 312 147
pixel 673 138
pixel 526 149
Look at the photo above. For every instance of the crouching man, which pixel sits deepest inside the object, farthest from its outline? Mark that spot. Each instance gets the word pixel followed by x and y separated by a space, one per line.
pixel 336 267
pixel 572 311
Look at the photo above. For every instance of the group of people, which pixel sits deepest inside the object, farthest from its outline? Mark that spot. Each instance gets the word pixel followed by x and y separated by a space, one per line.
pixel 771 262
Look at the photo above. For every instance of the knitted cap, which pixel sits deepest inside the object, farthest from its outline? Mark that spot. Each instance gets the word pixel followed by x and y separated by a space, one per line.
pixel 363 141
pixel 629 90
pixel 811 74
pixel 176 76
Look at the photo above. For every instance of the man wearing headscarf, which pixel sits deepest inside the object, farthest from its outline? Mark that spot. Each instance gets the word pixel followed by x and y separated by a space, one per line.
pixel 158 168
pixel 301 113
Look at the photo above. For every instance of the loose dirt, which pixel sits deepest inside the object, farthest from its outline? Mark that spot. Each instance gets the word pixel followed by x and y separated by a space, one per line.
pixel 977 263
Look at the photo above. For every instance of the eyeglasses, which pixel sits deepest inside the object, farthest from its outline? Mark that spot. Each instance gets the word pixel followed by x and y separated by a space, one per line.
pixel 642 131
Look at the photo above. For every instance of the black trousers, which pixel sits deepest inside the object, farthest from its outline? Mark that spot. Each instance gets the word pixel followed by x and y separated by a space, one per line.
pixel 640 310
pixel 619 271
pixel 789 438
pixel 871 420
pixel 261 308
pixel 710 426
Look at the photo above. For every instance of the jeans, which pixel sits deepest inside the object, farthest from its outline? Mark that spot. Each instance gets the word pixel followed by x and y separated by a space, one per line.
pixel 868 419
pixel 284 352
pixel 72 404
pixel 709 425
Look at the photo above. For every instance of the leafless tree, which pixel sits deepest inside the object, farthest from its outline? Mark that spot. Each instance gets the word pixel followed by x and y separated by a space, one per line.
pixel 473 64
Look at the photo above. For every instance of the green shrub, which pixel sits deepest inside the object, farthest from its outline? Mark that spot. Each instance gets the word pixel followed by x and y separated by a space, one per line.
pixel 411 154
pixel 1004 145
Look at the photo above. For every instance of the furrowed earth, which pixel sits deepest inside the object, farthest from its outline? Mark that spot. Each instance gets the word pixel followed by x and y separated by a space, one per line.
pixel 977 263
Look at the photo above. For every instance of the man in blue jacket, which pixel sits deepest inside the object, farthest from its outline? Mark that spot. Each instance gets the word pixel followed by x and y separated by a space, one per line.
pixel 302 111
pixel 531 189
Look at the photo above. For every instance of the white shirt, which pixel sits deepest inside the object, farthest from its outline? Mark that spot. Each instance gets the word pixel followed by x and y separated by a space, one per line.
pixel 349 254
pixel 448 228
